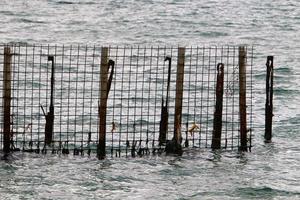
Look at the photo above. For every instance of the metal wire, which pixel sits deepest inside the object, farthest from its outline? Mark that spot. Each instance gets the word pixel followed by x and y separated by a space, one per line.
pixel 134 103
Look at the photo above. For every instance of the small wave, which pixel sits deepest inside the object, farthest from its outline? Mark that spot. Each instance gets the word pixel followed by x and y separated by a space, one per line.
pixel 79 3
pixel 32 21
pixel 141 122
pixel 284 92
pixel 213 34
pixel 264 192
pixel 283 70
pixel 65 2
pixel 260 76
pixel 276 77
pixel 9 13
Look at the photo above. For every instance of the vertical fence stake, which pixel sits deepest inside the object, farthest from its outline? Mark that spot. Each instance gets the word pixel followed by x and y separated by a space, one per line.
pixel 269 100
pixel 242 98
pixel 175 145
pixel 164 117
pixel 7 99
pixel 103 102
pixel 217 131
pixel 50 115
pixel 179 95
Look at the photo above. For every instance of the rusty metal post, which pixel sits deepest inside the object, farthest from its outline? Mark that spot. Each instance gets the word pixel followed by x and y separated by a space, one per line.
pixel 49 126
pixel 7 99
pixel 103 102
pixel 164 117
pixel 217 131
pixel 242 98
pixel 269 100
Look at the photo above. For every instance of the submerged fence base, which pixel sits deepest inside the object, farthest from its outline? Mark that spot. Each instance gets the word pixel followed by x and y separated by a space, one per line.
pixel 132 100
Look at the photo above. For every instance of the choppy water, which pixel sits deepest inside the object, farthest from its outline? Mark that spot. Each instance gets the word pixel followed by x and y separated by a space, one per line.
pixel 270 171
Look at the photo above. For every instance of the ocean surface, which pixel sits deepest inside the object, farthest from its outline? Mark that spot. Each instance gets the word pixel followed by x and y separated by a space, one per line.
pixel 270 171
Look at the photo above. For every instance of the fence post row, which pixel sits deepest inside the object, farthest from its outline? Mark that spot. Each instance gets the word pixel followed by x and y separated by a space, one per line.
pixel 269 100
pixel 7 99
pixel 103 102
pixel 242 98
pixel 217 131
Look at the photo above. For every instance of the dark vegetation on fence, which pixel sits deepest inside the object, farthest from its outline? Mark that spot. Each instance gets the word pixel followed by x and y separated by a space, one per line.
pixel 131 100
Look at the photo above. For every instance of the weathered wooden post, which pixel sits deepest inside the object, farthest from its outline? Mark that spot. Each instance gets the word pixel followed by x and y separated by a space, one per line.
pixel 242 98
pixel 103 102
pixel 269 100
pixel 174 146
pixel 217 131
pixel 7 99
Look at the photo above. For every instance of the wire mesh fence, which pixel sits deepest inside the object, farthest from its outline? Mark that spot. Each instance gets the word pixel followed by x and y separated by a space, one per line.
pixel 64 81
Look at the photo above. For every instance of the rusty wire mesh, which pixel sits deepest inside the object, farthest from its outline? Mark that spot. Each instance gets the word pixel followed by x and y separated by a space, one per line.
pixel 134 102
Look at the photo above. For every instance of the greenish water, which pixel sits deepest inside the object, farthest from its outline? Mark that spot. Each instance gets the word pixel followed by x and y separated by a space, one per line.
pixel 270 171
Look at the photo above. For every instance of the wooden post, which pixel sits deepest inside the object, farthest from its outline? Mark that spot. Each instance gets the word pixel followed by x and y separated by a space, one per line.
pixel 6 99
pixel 217 131
pixel 175 145
pixel 103 102
pixel 269 100
pixel 179 95
pixel 242 98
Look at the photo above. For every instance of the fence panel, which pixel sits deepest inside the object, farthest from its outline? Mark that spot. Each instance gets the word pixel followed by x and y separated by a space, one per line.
pixel 138 93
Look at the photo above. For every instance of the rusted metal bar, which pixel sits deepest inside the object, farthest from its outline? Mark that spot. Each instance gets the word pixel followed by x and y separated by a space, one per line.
pixel 217 131
pixel 186 142
pixel 7 100
pixel 174 146
pixel 50 115
pixel 163 126
pixel 242 98
pixel 111 64
pixel 269 99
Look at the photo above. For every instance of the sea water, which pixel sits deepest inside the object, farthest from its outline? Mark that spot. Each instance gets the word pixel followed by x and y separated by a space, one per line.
pixel 270 171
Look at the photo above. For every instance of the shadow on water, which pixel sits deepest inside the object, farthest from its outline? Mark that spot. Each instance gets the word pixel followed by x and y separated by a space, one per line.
pixel 8 157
